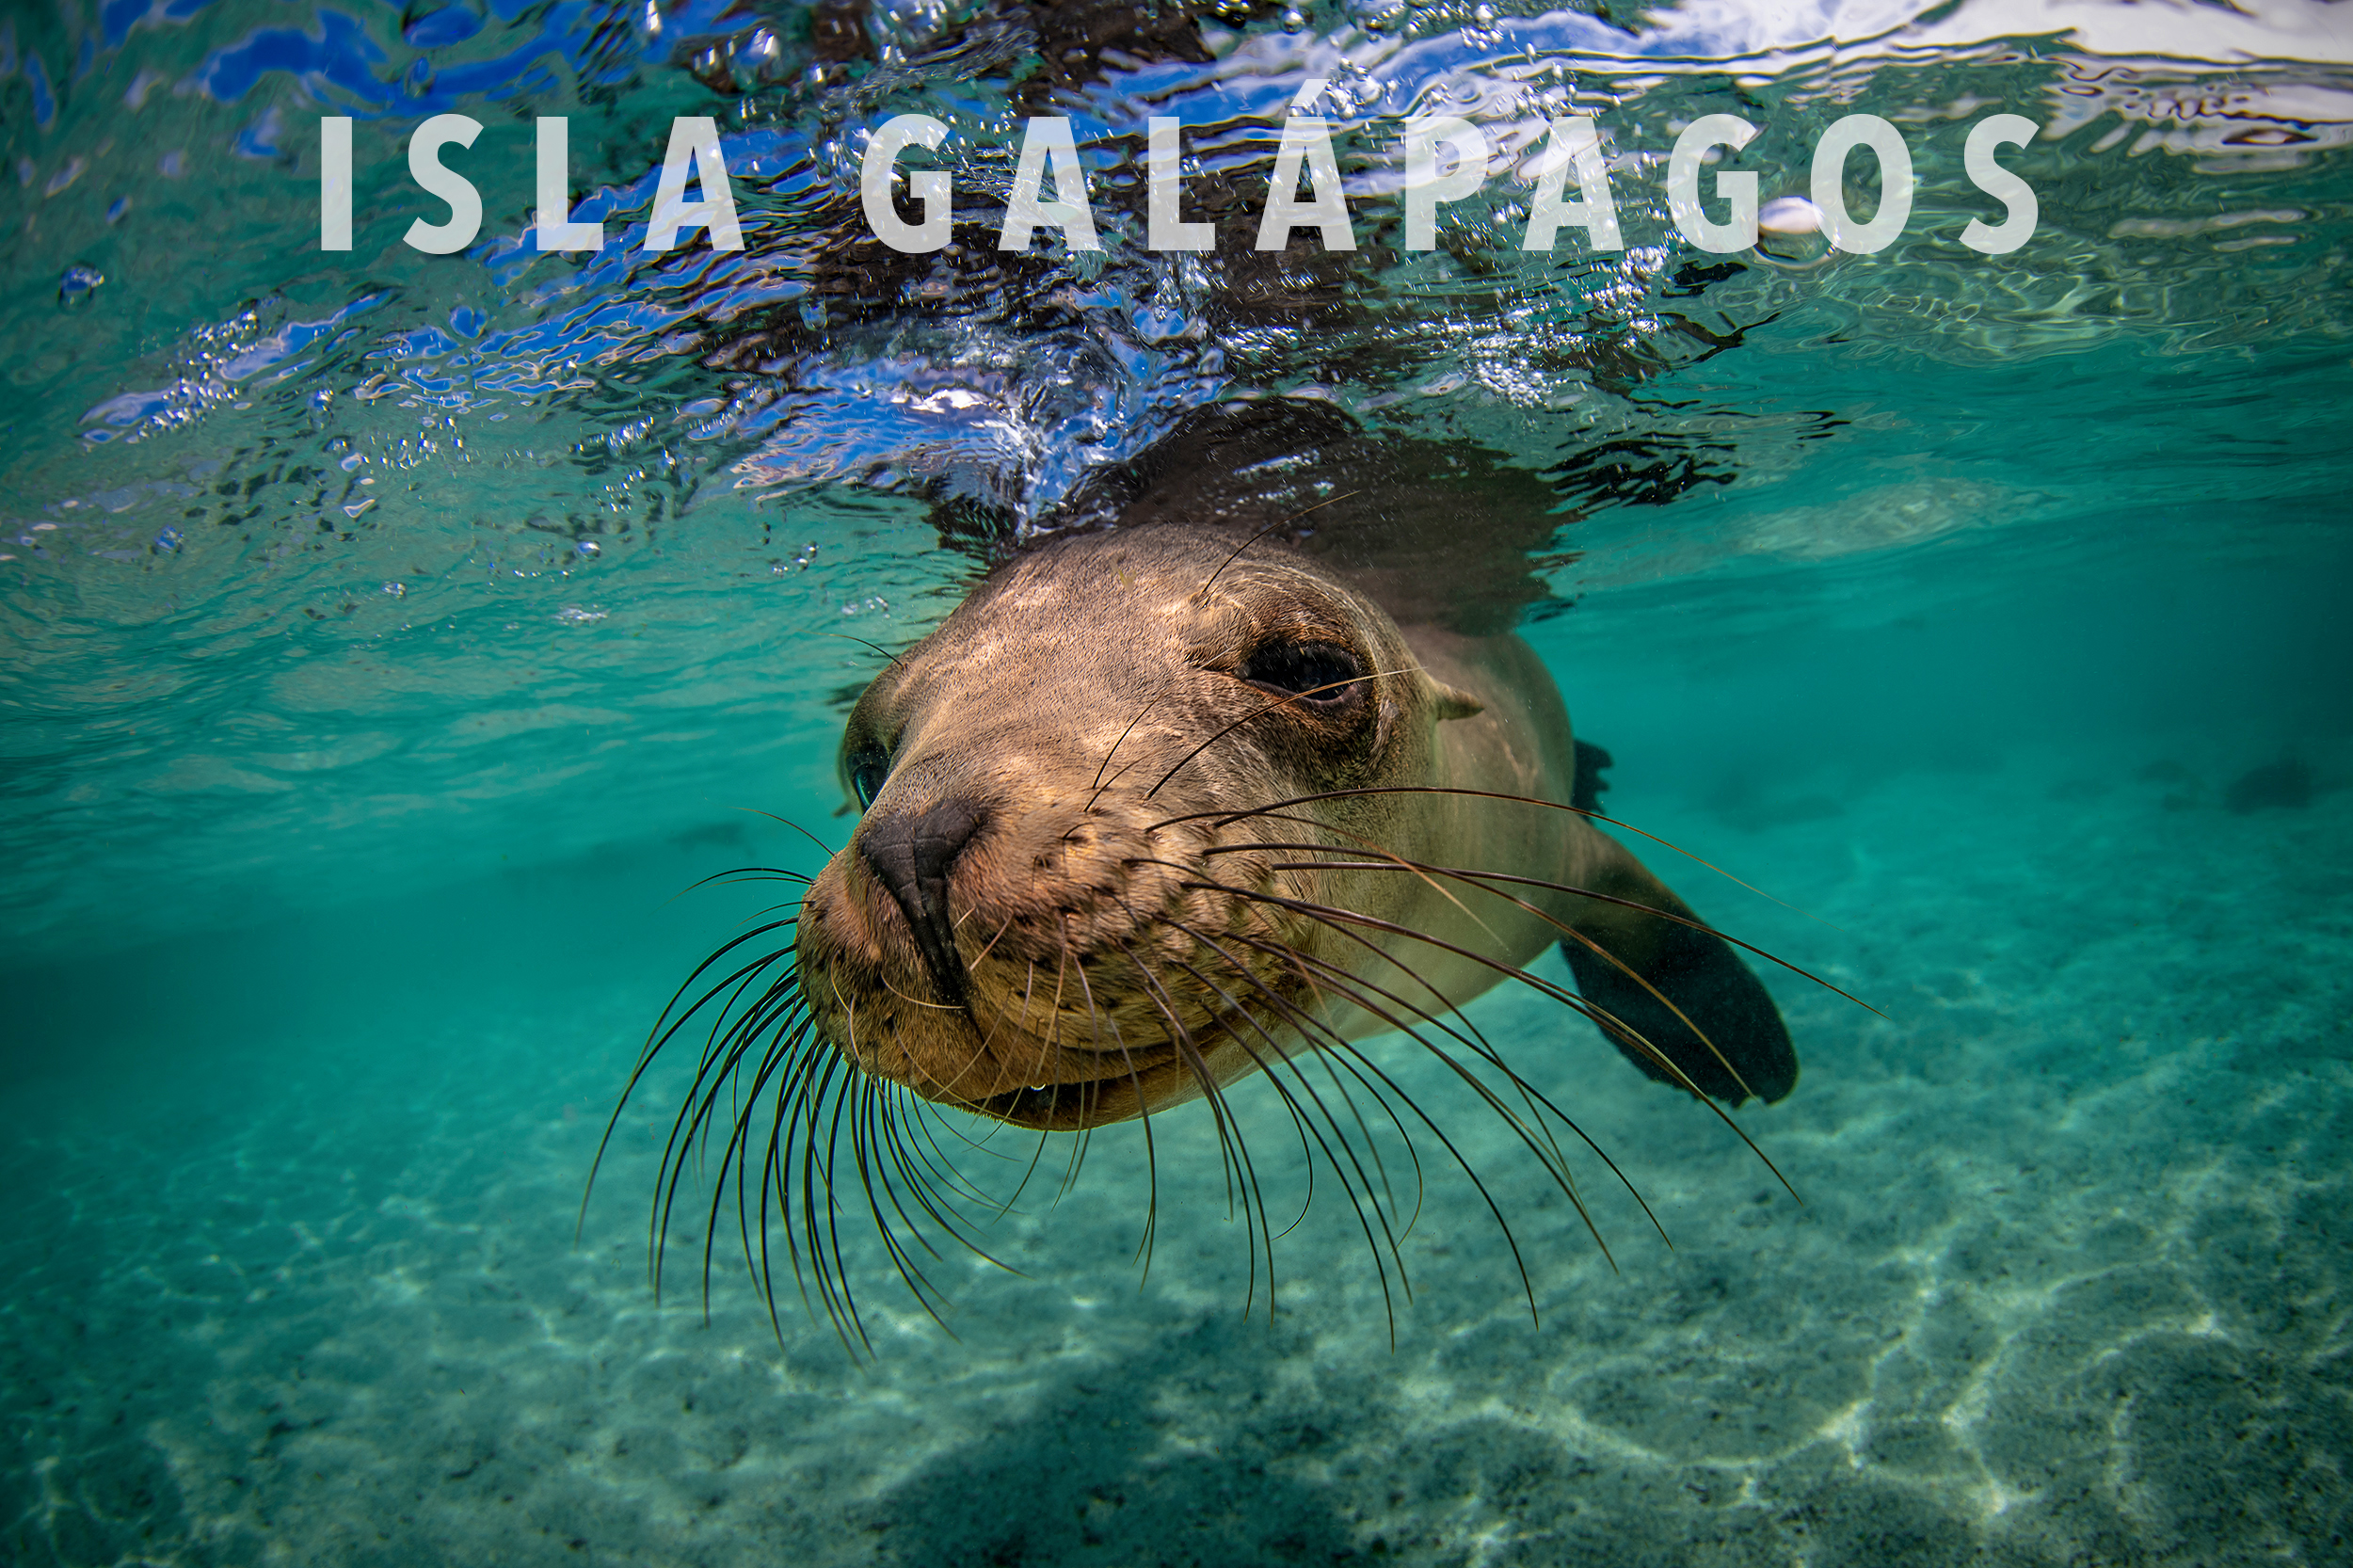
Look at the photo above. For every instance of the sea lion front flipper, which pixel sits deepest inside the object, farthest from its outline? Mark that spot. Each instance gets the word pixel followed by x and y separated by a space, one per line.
pixel 1586 790
pixel 1698 972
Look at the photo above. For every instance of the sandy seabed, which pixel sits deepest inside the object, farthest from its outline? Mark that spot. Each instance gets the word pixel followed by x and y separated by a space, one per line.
pixel 2070 1282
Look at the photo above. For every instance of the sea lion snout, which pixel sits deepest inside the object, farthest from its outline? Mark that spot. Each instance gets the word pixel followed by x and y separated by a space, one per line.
pixel 1022 955
pixel 911 853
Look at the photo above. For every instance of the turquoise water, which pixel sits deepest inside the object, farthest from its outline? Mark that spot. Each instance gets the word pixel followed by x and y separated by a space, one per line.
pixel 390 640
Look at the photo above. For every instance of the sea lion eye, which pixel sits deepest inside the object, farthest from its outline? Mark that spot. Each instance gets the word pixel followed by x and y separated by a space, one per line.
pixel 1321 675
pixel 868 767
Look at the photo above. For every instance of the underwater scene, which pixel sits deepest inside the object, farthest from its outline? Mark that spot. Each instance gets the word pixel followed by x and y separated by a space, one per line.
pixel 555 1008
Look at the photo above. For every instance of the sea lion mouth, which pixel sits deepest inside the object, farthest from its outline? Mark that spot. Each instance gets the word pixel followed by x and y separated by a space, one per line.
pixel 1072 1101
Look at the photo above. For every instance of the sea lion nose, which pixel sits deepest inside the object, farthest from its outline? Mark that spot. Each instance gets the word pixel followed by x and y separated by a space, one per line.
pixel 910 852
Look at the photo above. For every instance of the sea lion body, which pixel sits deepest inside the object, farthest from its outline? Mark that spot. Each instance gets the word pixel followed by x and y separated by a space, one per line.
pixel 1159 807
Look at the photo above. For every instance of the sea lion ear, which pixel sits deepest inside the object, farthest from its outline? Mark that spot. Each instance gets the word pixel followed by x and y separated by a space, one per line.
pixel 1452 702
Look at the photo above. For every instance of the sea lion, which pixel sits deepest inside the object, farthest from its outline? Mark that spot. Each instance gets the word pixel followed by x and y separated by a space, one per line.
pixel 1229 770
pixel 1149 811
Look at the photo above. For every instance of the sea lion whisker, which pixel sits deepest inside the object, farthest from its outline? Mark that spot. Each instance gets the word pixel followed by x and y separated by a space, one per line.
pixel 981 958
pixel 797 1122
pixel 1289 955
pixel 1062 971
pixel 1599 1014
pixel 1373 1144
pixel 877 648
pixel 1372 1140
pixel 1282 1057
pixel 1135 1077
pixel 1236 1010
pixel 1202 592
pixel 731 1033
pixel 1226 819
pixel 799 1119
pixel 802 1090
pixel 1038 1152
pixel 867 1158
pixel 1510 1239
pixel 811 1114
pixel 828 1266
pixel 739 1151
pixel 807 1078
pixel 763 1267
pixel 832 1233
pixel 1028 986
pixel 942 1163
pixel 1181 1040
pixel 728 1048
pixel 1238 1168
pixel 1097 1020
pixel 660 1037
pixel 1616 1028
pixel 1309 1129
pixel 1098 786
pixel 1285 701
pixel 673 1171
pixel 1624 969
pixel 1234 1149
pixel 742 876
pixel 917 1172
pixel 1698 925
pixel 1331 916
pixel 694 1115
pixel 1126 768
pixel 1475 1042
pixel 1536 983
pixel 882 1150
pixel 655 1041
pixel 1366 845
pixel 1483 880
pixel 888 1154
pixel 697 1112
pixel 990 1127
pixel 1351 1057
pixel 1333 1064
pixel 1554 1162
pixel 917 1001
pixel 1087 1092
pixel 1463 1163
pixel 997 1016
pixel 797 828
pixel 806 1071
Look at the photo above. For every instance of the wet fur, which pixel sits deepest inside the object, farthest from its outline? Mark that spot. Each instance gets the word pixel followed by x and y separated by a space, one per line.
pixel 1105 873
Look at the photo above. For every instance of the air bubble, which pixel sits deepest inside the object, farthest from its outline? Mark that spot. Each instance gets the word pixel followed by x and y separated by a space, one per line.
pixel 75 288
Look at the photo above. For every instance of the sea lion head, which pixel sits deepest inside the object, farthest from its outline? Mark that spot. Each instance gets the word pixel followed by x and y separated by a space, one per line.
pixel 1050 912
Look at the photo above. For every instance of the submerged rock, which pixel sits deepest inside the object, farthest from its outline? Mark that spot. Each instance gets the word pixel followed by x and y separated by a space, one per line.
pixel 2282 783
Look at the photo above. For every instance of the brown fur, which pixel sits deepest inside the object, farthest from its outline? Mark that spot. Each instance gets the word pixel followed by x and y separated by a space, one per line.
pixel 1088 701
